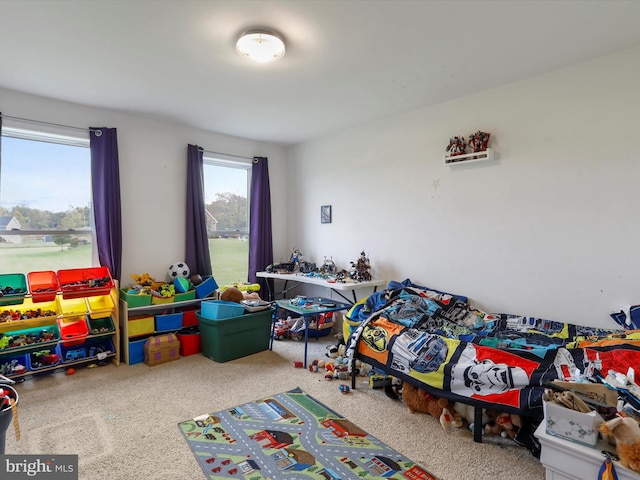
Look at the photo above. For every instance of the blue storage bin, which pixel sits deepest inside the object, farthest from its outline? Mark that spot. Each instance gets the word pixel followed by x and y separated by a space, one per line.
pixel 168 322
pixel 220 309
pixel 14 365
pixel 207 287
pixel 136 351
pixel 98 346
pixel 40 362
pixel 73 353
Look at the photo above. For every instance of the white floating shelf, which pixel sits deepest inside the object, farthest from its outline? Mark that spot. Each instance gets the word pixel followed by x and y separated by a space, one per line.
pixel 483 156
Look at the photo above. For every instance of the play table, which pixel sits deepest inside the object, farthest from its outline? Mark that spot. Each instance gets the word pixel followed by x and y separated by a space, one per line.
pixel 307 307
pixel 338 288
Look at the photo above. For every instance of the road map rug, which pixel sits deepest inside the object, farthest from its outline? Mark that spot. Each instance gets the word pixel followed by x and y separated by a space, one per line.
pixel 291 436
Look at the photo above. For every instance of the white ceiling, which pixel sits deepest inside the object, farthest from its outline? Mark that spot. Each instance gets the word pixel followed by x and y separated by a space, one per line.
pixel 347 61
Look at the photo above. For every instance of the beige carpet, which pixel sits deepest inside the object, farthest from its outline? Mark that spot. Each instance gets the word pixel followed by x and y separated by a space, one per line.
pixel 123 421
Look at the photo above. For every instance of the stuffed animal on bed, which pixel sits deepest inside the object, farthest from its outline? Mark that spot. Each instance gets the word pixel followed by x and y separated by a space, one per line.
pixel 626 432
pixel 417 400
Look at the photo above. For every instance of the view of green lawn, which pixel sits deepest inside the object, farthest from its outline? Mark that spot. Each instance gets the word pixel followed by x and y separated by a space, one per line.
pixel 40 256
pixel 229 258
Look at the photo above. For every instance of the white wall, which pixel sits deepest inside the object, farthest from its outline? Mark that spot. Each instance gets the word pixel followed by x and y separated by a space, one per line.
pixel 549 229
pixel 153 168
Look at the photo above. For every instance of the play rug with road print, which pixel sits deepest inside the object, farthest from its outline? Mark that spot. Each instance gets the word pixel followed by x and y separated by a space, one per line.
pixel 291 436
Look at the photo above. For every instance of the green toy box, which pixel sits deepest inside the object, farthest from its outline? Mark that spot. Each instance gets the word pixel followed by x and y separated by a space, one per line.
pixel 235 337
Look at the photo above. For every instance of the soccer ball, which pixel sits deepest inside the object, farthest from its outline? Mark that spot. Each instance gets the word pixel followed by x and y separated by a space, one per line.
pixel 178 269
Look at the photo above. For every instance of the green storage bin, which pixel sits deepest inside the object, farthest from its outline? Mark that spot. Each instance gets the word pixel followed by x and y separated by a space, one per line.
pixel 235 337
pixel 134 300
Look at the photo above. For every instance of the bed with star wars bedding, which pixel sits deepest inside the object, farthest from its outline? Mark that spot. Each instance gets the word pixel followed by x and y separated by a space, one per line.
pixel 440 343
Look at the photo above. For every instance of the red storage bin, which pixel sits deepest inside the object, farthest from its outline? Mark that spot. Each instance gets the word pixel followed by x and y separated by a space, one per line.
pixel 189 343
pixel 85 282
pixel 73 330
pixel 189 318
pixel 43 286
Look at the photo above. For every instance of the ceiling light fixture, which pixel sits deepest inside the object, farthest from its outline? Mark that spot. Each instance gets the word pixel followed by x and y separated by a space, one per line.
pixel 261 46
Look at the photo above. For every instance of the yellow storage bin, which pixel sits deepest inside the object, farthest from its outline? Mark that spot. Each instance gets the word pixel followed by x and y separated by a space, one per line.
pixel 29 310
pixel 161 300
pixel 101 306
pixel 73 307
pixel 142 325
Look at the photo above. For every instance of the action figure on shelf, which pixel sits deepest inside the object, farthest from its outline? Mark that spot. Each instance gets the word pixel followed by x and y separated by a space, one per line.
pixel 457 146
pixel 479 141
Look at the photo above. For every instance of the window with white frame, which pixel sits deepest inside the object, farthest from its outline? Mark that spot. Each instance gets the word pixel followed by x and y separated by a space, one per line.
pixel 226 193
pixel 46 215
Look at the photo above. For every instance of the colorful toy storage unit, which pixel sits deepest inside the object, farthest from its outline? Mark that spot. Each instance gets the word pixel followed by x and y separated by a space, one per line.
pixel 42 329
pixel 144 316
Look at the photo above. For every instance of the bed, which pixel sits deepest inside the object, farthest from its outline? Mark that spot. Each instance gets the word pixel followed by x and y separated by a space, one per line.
pixel 439 342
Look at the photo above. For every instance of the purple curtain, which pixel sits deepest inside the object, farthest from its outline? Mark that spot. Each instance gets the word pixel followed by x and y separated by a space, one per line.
pixel 260 241
pixel 197 248
pixel 105 182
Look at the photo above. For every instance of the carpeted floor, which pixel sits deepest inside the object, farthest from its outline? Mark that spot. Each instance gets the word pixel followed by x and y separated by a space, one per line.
pixel 121 421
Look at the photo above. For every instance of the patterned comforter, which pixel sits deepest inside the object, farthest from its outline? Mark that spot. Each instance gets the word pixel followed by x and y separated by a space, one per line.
pixel 440 343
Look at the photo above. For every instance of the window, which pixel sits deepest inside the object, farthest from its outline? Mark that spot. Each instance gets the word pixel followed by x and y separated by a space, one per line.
pixel 226 194
pixel 46 216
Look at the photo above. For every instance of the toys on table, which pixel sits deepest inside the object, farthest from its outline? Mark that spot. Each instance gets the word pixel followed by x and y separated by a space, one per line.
pixel 361 269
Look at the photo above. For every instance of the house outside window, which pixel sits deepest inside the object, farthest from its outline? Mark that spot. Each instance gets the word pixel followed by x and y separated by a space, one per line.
pixel 226 193
pixel 46 215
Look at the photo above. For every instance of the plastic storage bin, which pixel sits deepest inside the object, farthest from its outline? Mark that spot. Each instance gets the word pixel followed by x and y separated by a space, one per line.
pixel 231 338
pixel 14 364
pixel 135 300
pixel 190 342
pixel 73 307
pixel 85 282
pixel 189 318
pixel 100 325
pixel 206 288
pixel 28 311
pixel 186 296
pixel 220 309
pixel 39 337
pixel 168 322
pixel 13 287
pixel 136 351
pixel 73 330
pixel 100 306
pixel 43 286
pixel 44 358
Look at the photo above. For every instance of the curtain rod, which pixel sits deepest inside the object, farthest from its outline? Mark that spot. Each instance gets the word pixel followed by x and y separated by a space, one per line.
pixel 225 154
pixel 40 122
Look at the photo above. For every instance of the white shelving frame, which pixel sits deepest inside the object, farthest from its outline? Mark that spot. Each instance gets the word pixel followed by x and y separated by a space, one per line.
pixel 484 156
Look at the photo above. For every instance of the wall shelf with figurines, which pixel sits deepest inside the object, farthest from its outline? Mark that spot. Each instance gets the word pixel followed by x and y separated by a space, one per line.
pixel 478 143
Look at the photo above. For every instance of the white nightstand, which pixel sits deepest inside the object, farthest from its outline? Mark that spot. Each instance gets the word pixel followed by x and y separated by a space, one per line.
pixel 566 460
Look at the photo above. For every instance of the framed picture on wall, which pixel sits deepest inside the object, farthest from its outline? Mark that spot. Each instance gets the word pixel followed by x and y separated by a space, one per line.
pixel 325 214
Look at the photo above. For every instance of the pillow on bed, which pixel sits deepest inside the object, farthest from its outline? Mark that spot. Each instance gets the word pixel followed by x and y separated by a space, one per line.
pixel 628 317
pixel 408 283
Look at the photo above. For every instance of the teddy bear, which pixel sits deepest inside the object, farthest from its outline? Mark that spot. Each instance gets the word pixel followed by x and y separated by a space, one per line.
pixel 232 294
pixel 417 400
pixel 626 432
pixel 502 424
